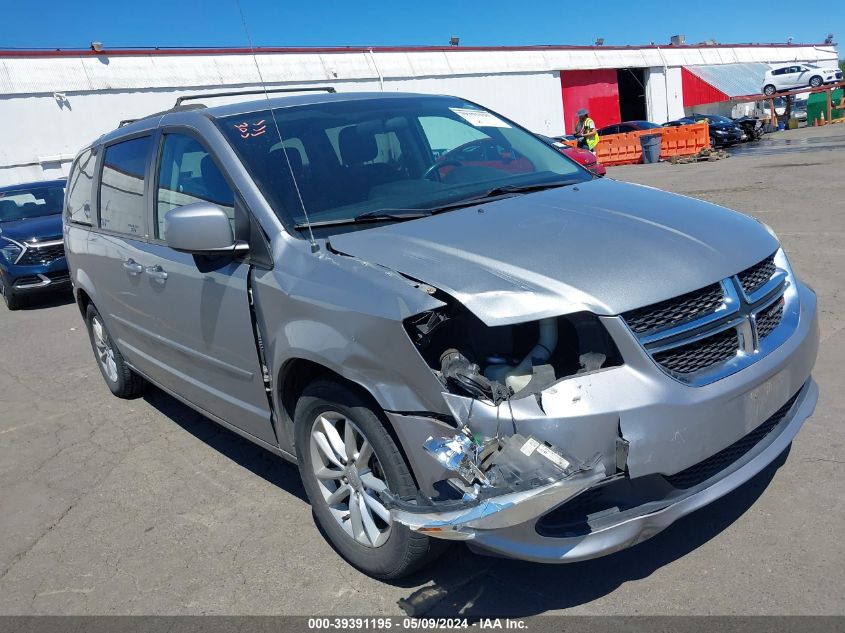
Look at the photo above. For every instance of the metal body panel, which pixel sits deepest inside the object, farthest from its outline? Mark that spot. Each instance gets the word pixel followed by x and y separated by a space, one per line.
pixel 601 246
pixel 195 335
pixel 523 541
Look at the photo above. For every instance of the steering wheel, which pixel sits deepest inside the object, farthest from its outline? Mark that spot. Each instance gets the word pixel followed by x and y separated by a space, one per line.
pixel 437 165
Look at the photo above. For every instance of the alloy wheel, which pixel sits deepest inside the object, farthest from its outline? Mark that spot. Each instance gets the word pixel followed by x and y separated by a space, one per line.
pixel 105 352
pixel 350 477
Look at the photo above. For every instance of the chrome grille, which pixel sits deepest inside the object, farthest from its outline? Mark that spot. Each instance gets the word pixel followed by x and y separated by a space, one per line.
pixel 675 311
pixel 768 319
pixel 752 279
pixel 701 354
pixel 42 254
pixel 706 334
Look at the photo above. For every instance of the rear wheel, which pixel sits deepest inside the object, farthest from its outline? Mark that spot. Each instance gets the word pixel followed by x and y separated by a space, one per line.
pixel 122 381
pixel 346 457
pixel 769 90
pixel 816 81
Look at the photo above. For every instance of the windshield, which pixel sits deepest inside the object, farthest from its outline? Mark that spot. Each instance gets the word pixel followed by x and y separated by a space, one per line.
pixel 31 202
pixel 357 157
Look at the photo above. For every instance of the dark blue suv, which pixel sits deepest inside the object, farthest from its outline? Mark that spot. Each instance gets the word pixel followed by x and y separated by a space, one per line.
pixel 32 252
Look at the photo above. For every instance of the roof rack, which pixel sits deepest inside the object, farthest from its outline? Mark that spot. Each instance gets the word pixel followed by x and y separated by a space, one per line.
pixel 256 91
pixel 176 108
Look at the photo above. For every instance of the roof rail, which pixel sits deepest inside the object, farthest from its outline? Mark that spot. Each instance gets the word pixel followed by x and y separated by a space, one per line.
pixel 256 91
pixel 176 108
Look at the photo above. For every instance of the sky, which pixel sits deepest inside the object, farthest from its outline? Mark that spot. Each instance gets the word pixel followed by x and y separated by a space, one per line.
pixel 197 23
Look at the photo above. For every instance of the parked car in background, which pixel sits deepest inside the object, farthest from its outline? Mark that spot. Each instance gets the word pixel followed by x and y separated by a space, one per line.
pixel 799 107
pixel 752 127
pixel 545 365
pixel 723 131
pixel 581 156
pixel 32 255
pixel 626 126
pixel 793 76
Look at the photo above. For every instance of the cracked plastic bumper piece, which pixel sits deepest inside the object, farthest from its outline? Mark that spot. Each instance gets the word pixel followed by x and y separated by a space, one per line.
pixel 515 494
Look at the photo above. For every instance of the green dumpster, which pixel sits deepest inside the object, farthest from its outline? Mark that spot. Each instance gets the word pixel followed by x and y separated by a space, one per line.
pixel 817 104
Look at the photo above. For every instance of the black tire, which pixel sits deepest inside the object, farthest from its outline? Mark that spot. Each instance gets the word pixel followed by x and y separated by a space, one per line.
pixel 769 90
pixel 816 81
pixel 713 142
pixel 12 300
pixel 404 551
pixel 125 383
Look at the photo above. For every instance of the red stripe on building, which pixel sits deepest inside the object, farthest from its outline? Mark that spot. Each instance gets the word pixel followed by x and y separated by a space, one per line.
pixel 697 91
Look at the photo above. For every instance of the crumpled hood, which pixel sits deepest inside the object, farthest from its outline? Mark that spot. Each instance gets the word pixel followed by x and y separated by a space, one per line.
pixel 602 246
pixel 48 226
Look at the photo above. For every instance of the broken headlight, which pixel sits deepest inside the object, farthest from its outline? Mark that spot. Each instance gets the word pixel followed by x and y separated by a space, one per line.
pixel 496 363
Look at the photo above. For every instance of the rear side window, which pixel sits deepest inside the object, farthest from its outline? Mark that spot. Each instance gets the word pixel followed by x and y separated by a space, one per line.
pixel 122 187
pixel 188 174
pixel 78 199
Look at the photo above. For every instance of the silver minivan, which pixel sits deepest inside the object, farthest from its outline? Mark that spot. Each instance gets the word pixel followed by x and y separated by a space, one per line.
pixel 455 331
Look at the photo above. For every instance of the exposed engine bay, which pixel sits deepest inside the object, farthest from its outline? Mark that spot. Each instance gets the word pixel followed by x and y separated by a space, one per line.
pixel 501 472
pixel 498 363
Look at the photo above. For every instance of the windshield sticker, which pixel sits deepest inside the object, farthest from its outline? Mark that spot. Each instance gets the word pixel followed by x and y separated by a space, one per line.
pixel 479 118
pixel 256 129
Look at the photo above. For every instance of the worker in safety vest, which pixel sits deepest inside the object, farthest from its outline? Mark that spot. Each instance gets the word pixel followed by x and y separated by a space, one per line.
pixel 585 131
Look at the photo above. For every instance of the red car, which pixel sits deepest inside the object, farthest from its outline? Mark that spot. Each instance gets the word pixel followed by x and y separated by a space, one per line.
pixel 583 157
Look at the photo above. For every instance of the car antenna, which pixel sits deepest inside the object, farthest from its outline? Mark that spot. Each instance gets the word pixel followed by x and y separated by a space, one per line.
pixel 314 246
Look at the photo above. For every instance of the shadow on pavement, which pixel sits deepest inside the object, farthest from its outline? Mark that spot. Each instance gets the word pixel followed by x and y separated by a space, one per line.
pixel 255 459
pixel 48 300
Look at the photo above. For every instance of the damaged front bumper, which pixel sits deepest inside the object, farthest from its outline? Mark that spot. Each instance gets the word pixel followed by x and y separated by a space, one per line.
pixel 663 428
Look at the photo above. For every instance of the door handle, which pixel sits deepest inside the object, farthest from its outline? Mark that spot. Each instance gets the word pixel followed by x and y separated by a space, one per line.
pixel 133 267
pixel 157 273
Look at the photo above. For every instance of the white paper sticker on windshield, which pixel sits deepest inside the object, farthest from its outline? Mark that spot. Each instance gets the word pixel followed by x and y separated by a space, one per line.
pixel 479 118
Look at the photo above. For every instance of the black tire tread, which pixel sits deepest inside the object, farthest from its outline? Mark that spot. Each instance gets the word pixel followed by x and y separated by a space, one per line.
pixel 420 549
pixel 129 384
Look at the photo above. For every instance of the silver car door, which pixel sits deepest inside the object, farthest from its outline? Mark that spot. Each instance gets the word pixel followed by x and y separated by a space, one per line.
pixel 115 255
pixel 204 343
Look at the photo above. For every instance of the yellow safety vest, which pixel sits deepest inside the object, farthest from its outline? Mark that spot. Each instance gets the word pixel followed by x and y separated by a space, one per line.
pixel 593 139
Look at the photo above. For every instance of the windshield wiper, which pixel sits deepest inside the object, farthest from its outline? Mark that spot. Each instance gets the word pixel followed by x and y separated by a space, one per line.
pixel 377 215
pixel 491 195
pixel 503 189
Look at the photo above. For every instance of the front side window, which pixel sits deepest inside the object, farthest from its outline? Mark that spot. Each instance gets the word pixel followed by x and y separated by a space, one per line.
pixel 122 187
pixel 376 155
pixel 33 201
pixel 188 174
pixel 78 200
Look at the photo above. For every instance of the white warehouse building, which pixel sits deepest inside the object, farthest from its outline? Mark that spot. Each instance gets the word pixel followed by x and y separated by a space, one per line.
pixel 54 102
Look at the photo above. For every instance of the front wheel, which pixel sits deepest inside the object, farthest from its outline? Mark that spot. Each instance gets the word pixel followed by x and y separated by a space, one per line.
pixel 769 90
pixel 816 82
pixel 346 457
pixel 12 300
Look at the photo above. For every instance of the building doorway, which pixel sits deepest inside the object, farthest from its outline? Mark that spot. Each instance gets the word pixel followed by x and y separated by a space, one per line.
pixel 632 99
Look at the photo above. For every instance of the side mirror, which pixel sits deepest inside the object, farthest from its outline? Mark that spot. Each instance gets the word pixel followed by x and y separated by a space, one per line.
pixel 201 228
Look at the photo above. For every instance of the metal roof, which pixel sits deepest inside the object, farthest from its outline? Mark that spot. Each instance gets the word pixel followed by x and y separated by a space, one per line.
pixel 735 80
pixel 24 72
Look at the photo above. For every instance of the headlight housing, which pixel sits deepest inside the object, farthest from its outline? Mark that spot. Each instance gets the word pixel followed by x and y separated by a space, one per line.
pixel 11 249
pixel 471 358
